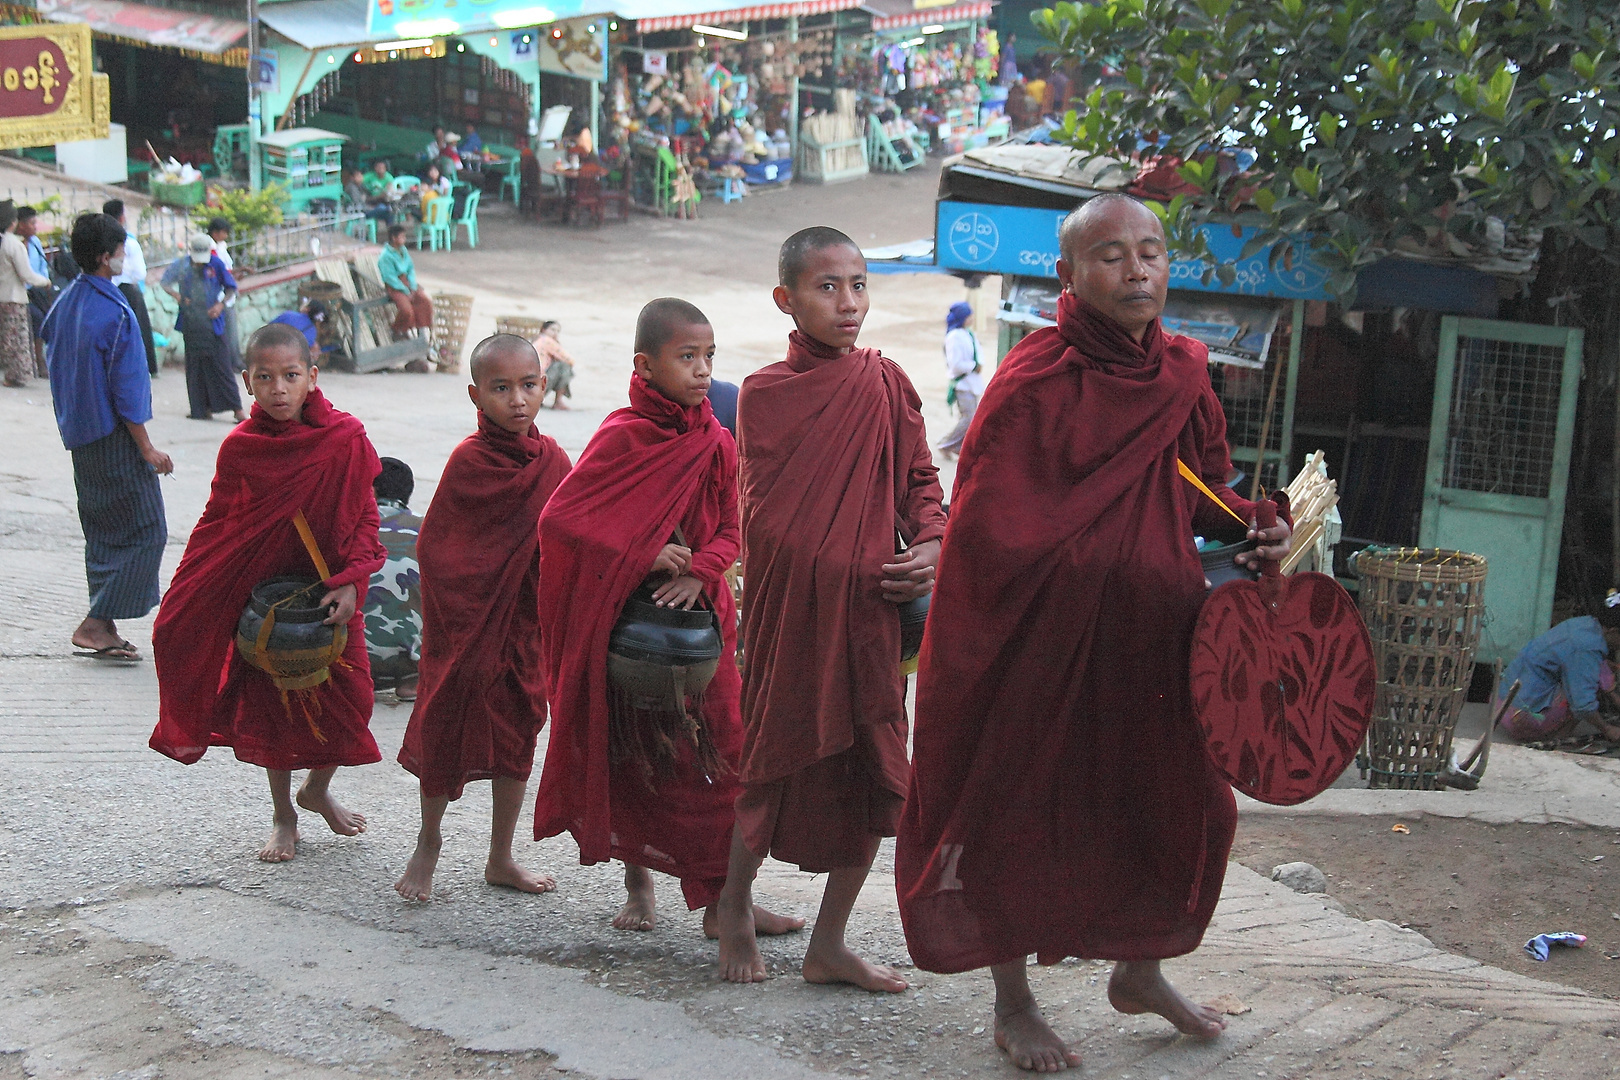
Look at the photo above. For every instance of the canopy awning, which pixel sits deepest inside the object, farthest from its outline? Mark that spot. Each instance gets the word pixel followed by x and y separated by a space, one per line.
pixel 671 16
pixel 898 14
pixel 151 25
pixel 318 24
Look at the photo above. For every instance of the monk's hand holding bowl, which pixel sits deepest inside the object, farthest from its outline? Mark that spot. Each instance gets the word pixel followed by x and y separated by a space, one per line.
pixel 681 591
pixel 674 560
pixel 913 576
pixel 342 602
pixel 1275 543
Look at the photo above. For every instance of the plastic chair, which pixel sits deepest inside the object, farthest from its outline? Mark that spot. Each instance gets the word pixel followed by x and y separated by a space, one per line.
pixel 367 225
pixel 468 219
pixel 511 181
pixel 402 184
pixel 436 226
pixel 731 189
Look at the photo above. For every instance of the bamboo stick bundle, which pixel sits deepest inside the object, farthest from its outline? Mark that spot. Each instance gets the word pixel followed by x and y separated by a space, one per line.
pixel 1312 497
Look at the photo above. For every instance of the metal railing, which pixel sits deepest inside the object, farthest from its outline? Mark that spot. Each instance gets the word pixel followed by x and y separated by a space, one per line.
pixel 312 237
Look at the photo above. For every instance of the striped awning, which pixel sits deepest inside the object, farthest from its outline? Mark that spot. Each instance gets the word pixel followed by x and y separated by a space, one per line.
pixel 744 14
pixel 958 12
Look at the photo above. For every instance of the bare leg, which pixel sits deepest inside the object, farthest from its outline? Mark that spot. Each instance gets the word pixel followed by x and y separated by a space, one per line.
pixel 1139 986
pixel 1021 1030
pixel 417 881
pixel 734 913
pixel 94 634
pixel 640 909
pixel 314 797
pixel 502 869
pixel 284 831
pixel 765 922
pixel 828 959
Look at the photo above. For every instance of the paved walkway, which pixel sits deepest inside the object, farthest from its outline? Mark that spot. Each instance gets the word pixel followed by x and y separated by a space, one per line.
pixel 142 939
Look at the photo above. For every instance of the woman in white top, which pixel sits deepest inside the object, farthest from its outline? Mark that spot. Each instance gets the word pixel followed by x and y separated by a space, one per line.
pixel 16 338
pixel 967 379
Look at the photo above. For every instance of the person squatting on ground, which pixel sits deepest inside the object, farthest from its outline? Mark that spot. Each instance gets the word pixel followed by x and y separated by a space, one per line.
pixel 201 284
pixel 393 604
pixel 963 367
pixel 834 458
pixel 1057 653
pixel 481 693
pixel 559 365
pixel 102 394
pixel 651 509
pixel 296 454
pixel 413 310
pixel 1563 676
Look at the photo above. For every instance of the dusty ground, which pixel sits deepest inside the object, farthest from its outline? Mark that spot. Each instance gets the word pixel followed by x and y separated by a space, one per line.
pixel 1476 889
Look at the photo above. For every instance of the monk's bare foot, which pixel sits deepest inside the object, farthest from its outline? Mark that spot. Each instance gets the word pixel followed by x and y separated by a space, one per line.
pixel 740 960
pixel 508 874
pixel 765 922
pixel 839 965
pixel 1142 988
pixel 640 911
pixel 1031 1043
pixel 283 842
pixel 343 821
pixel 416 883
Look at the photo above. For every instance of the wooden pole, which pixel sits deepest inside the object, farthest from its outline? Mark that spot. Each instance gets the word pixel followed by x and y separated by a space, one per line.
pixel 281 122
pixel 1265 431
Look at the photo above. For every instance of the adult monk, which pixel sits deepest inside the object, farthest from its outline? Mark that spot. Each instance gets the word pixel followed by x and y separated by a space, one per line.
pixel 834 464
pixel 1061 801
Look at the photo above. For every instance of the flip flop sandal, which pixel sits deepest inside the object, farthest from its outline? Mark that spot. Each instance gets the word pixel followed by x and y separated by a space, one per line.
pixel 111 652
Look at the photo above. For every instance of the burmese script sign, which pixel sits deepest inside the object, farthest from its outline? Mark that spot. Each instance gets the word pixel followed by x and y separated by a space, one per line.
pixel 49 91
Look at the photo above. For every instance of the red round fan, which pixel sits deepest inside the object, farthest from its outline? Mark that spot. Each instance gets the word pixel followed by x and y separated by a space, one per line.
pixel 1282 681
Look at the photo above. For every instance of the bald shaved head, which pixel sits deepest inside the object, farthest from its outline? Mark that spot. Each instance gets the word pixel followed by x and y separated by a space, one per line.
pixel 1114 258
pixel 1096 209
pixel 500 345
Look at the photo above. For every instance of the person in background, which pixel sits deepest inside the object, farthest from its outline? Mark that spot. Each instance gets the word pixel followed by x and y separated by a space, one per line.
pixel 414 310
pixel 393 604
pixel 1059 88
pixel 1009 61
pixel 219 231
pixel 202 285
pixel 963 367
pixel 472 148
pixel 430 152
pixel 40 297
pixel 449 157
pixel 16 278
pixel 103 399
pixel 1037 88
pixel 1563 675
pixel 435 185
pixel 359 197
pixel 307 320
pixel 379 183
pixel 559 365
pixel 723 400
pixel 132 280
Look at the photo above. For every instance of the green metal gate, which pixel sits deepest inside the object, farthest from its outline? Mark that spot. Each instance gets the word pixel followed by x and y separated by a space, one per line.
pixel 1499 447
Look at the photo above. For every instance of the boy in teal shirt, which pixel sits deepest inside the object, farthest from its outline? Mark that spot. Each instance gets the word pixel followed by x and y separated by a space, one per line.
pixel 413 308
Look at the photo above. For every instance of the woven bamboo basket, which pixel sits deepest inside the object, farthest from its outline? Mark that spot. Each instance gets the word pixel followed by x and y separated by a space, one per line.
pixel 1424 608
pixel 451 314
pixel 521 325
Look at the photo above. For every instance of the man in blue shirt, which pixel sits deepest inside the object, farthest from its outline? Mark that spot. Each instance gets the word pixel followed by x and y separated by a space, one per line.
pixel 102 393
pixel 40 297
pixel 1562 676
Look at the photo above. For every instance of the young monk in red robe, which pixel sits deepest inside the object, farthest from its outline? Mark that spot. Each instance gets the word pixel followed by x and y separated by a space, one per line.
pixel 481 693
pixel 295 453
pixel 1062 803
pixel 834 465
pixel 662 468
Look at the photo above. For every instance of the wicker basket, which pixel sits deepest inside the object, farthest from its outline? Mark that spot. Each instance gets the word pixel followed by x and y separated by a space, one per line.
pixel 1423 608
pixel 451 314
pixel 521 325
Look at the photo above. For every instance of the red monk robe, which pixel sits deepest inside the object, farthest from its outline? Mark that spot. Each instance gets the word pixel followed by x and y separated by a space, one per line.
pixel 481 692
pixel 833 451
pixel 1062 803
pixel 648 469
pixel 208 696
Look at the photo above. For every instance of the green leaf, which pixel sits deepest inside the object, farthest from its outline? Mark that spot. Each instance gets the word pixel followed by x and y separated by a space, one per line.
pixel 1327 129
pixel 1307 181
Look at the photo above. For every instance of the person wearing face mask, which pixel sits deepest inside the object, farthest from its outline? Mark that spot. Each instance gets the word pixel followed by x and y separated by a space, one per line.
pixel 16 276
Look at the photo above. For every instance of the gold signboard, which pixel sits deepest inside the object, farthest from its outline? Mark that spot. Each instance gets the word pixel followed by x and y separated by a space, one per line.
pixel 49 89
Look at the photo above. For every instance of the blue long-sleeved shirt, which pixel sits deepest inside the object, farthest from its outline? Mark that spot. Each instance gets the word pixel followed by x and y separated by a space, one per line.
pixel 36 256
pixel 1567 660
pixel 97 362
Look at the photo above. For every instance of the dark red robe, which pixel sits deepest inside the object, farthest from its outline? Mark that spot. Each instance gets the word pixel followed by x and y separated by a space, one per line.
pixel 833 451
pixel 481 693
pixel 1062 803
pixel 208 696
pixel 648 469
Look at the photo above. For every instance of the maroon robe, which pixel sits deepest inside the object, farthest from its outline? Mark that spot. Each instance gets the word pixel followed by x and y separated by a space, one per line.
pixel 833 451
pixel 1062 803
pixel 649 469
pixel 481 692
